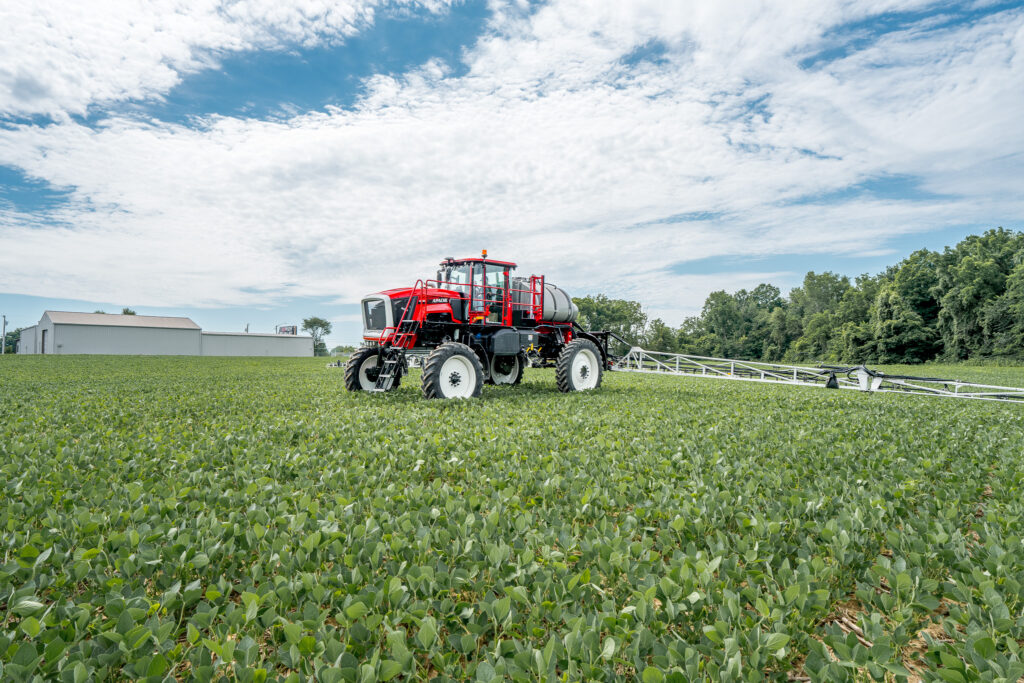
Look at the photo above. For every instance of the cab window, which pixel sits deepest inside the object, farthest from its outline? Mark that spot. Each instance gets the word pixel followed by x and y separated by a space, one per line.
pixel 456 278
pixel 374 314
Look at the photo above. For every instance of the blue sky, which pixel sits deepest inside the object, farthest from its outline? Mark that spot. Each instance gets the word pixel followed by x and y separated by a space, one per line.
pixel 251 163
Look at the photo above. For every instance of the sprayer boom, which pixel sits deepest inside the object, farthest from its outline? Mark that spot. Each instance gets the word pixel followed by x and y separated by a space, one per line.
pixel 857 377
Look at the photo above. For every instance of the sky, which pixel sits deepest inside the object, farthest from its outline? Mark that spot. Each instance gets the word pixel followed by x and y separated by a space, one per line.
pixel 256 162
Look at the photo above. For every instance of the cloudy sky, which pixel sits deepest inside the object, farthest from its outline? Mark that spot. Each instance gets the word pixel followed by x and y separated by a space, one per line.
pixel 259 161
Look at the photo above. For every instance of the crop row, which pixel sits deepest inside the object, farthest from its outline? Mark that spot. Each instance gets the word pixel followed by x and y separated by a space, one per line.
pixel 176 518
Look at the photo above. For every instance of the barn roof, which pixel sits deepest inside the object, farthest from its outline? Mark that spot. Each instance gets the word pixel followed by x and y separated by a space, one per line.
pixel 117 320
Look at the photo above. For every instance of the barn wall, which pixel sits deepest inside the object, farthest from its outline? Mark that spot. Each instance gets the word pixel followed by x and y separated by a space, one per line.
pixel 27 343
pixel 127 341
pixel 240 344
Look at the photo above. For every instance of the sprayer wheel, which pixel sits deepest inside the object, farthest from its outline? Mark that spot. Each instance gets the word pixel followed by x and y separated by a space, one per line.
pixel 452 370
pixel 507 371
pixel 362 369
pixel 579 366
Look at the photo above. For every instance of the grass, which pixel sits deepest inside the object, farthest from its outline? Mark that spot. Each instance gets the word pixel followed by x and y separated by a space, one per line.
pixel 201 517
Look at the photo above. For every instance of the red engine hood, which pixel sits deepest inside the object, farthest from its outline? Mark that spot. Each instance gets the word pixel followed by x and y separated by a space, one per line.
pixel 432 292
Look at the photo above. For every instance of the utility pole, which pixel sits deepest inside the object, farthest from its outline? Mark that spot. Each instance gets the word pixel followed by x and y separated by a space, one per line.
pixel 3 338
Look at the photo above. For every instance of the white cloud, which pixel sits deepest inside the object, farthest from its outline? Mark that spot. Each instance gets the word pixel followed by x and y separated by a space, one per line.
pixel 551 151
pixel 61 57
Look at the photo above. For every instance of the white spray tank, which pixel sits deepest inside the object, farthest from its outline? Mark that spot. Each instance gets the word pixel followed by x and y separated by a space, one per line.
pixel 558 305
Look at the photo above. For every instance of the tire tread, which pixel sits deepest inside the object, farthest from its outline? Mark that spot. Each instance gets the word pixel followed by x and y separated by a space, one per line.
pixel 563 367
pixel 352 369
pixel 432 368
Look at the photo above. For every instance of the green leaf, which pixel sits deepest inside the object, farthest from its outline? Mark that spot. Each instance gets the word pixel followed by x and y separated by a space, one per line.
pixel 31 626
pixel 157 666
pixel 356 610
pixel 897 669
pixel 986 647
pixel 652 675
pixel 42 557
pixel 26 606
pixel 502 608
pixel 776 641
pixel 292 633
pixel 951 675
pixel 485 672
pixel 609 648
pixel 713 635
pixel 427 632
pixel 389 668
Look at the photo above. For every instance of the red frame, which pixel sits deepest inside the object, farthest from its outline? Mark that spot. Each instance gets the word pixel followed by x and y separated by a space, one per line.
pixel 434 296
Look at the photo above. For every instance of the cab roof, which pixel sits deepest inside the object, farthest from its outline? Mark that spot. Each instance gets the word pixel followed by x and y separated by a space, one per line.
pixel 477 259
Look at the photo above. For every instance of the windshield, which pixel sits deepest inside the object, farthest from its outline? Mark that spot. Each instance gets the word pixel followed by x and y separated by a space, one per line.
pixel 375 316
pixel 453 276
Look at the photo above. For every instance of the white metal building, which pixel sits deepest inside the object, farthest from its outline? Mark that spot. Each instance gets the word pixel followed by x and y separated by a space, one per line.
pixel 249 344
pixel 63 333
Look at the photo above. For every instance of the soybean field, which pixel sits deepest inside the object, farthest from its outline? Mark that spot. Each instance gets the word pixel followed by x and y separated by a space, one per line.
pixel 203 518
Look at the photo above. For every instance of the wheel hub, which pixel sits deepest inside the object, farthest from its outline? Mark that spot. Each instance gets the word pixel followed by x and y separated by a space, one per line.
pixel 454 379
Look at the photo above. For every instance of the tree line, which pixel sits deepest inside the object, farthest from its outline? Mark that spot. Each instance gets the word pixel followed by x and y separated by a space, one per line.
pixel 962 303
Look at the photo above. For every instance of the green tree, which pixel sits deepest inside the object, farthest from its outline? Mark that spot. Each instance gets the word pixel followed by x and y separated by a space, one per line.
pixel 967 301
pixel 692 337
pixel 901 334
pixel 723 321
pixel 853 340
pixel 1003 318
pixel 11 340
pixel 816 342
pixel 625 318
pixel 970 276
pixel 661 337
pixel 127 311
pixel 784 327
pixel 756 308
pixel 915 279
pixel 856 302
pixel 819 293
pixel 318 328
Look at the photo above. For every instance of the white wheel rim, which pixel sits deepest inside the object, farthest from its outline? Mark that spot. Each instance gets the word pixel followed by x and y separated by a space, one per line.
pixel 458 378
pixel 504 378
pixel 584 370
pixel 365 383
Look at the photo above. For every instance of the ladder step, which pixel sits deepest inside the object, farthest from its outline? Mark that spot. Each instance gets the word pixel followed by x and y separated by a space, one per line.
pixel 388 372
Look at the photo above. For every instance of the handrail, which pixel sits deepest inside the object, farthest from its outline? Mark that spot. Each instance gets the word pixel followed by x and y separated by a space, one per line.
pixel 534 305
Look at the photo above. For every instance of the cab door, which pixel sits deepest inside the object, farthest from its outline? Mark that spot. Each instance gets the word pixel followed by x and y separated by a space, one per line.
pixel 489 292
pixel 498 309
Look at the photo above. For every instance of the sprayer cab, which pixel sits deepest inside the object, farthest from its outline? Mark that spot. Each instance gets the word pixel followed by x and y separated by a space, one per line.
pixel 479 306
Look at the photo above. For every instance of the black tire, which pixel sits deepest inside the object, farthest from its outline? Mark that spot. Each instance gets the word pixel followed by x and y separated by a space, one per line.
pixel 452 370
pixel 579 366
pixel 509 379
pixel 358 380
